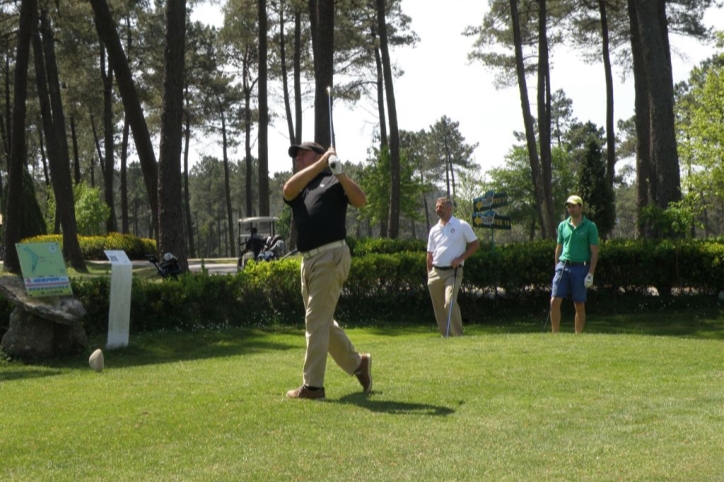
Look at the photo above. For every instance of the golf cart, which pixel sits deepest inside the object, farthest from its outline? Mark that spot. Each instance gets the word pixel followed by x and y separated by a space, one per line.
pixel 258 240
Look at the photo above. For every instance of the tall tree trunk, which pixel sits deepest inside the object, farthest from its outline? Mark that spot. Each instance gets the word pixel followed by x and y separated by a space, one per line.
pixel 227 186
pixel 644 162
pixel 8 106
pixel 125 229
pixel 187 195
pixel 247 149
pixel 425 206
pixel 385 213
pixel 263 145
pixel 452 180
pixel 384 141
pixel 448 162
pixel 6 156
pixel 91 171
pixel 285 73
pixel 108 34
pixel 528 119
pixel 76 157
pixel 97 143
pixel 46 175
pixel 43 156
pixel 124 178
pixel 655 49
pixel 295 134
pixel 46 116
pixel 60 163
pixel 109 164
pixel 321 15
pixel 544 120
pixel 381 98
pixel 610 132
pixel 170 213
pixel 395 201
pixel 297 79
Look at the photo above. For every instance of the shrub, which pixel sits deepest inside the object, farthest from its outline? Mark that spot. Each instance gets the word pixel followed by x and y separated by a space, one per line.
pixel 270 292
pixel 93 247
pixel 365 246
pixel 91 211
pixel 513 278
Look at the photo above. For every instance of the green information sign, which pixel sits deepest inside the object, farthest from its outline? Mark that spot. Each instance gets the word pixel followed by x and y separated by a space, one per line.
pixel 485 215
pixel 491 219
pixel 43 270
pixel 490 200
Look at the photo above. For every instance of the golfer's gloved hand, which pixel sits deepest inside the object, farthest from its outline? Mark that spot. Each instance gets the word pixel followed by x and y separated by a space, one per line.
pixel 335 165
pixel 588 281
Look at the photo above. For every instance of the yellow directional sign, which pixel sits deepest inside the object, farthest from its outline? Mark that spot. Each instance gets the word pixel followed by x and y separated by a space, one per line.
pixel 491 219
pixel 490 200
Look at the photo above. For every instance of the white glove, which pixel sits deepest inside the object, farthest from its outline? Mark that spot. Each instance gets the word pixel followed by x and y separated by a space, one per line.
pixel 335 165
pixel 588 281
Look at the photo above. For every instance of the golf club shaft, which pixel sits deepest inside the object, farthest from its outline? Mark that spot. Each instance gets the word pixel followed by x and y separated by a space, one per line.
pixel 333 160
pixel 290 253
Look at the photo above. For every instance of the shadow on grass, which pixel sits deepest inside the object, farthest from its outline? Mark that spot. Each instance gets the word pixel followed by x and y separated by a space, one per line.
pixel 158 348
pixel 8 375
pixel 683 326
pixel 697 318
pixel 155 348
pixel 626 325
pixel 394 408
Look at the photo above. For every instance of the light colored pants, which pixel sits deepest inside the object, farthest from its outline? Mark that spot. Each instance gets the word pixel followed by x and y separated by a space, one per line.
pixel 322 278
pixel 444 287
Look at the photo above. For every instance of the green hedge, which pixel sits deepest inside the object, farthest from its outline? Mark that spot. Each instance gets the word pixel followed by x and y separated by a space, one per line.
pixel 262 294
pixel 361 247
pixel 634 266
pixel 382 288
pixel 93 247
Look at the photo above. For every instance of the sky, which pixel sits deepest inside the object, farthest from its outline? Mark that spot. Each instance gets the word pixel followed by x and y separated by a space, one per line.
pixel 439 81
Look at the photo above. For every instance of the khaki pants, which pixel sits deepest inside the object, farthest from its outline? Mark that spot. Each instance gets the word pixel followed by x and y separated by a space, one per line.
pixel 322 278
pixel 444 287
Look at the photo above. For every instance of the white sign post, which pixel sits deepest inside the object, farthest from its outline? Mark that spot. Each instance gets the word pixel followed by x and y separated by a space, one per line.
pixel 119 313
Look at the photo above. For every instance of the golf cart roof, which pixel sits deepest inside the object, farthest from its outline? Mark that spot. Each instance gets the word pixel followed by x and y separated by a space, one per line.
pixel 259 219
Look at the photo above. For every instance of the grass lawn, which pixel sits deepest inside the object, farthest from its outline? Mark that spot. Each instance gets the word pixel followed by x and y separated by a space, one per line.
pixel 504 403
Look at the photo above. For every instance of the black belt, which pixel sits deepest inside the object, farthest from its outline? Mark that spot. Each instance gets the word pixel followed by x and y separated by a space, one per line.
pixel 576 263
pixel 442 268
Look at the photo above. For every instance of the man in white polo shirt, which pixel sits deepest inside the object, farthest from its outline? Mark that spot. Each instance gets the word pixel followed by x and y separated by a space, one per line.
pixel 450 243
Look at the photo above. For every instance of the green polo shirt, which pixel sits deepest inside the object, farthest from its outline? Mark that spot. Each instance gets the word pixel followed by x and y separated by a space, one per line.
pixel 577 240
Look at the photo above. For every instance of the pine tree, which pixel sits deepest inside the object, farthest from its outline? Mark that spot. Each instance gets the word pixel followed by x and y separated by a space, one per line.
pixel 593 187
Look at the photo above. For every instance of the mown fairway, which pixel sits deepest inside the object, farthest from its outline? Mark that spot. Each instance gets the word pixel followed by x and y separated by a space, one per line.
pixel 494 405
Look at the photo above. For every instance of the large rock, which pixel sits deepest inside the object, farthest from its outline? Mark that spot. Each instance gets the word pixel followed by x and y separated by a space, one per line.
pixel 42 327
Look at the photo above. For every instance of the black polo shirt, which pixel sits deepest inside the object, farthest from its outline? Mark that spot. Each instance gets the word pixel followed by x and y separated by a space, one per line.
pixel 320 212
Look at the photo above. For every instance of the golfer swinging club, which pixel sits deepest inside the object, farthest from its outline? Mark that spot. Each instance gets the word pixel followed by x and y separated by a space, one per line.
pixel 576 258
pixel 449 244
pixel 319 194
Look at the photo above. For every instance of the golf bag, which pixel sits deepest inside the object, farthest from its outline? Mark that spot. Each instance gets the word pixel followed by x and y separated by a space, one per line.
pixel 168 266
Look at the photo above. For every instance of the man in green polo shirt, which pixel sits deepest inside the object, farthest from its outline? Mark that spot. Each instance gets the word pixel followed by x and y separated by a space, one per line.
pixel 576 258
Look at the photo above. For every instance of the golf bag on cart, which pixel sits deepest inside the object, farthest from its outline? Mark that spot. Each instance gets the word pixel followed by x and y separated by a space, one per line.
pixel 168 266
pixel 269 249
